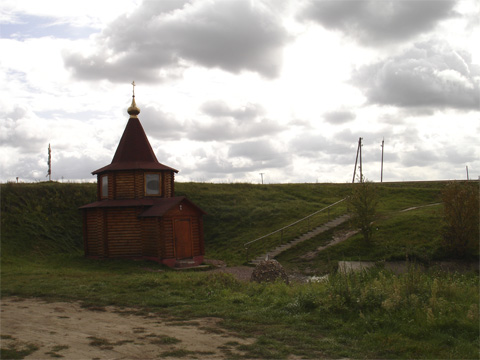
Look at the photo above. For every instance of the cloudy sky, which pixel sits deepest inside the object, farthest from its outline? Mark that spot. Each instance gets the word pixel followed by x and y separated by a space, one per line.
pixel 230 89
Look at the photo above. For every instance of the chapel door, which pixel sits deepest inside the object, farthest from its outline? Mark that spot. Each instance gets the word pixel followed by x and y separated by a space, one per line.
pixel 183 238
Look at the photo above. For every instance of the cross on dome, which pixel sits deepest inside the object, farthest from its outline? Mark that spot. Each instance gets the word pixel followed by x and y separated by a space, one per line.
pixel 133 110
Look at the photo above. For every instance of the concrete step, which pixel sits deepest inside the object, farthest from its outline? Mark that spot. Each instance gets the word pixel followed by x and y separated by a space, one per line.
pixel 184 263
pixel 310 234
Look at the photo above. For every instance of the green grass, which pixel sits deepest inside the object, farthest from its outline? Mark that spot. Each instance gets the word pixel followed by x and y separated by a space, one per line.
pixel 15 353
pixel 413 235
pixel 43 218
pixel 373 314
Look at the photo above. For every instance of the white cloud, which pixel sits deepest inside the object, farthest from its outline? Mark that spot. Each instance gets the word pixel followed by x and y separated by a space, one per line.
pixel 89 13
pixel 231 89
pixel 152 42
pixel 430 74
pixel 376 23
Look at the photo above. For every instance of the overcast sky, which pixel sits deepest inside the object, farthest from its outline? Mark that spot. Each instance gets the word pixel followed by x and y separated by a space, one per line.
pixel 229 89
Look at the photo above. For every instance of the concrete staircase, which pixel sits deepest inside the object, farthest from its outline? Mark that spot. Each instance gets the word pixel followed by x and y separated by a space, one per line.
pixel 281 248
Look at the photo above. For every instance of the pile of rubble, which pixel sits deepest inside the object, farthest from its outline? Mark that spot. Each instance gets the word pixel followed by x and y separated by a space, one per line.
pixel 269 271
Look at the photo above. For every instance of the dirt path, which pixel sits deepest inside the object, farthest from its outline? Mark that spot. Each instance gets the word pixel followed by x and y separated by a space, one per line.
pixel 242 273
pixel 62 329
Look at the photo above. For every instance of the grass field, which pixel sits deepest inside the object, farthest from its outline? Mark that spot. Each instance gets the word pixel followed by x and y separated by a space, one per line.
pixel 44 217
pixel 373 314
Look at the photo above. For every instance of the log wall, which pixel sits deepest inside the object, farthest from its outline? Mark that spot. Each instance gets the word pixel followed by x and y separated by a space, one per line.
pixel 168 243
pixel 124 232
pixel 168 183
pixel 119 232
pixel 94 230
pixel 150 229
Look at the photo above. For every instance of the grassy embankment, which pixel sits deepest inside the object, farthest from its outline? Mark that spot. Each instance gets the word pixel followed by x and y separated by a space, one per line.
pixel 370 315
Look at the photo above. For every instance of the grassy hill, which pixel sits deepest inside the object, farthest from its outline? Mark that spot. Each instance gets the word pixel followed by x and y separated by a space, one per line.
pixel 43 218
pixel 372 314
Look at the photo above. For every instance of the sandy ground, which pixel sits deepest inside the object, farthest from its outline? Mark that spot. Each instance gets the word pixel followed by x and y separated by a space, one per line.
pixel 65 329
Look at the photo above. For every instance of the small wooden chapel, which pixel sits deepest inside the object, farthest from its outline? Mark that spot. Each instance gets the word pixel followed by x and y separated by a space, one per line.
pixel 137 214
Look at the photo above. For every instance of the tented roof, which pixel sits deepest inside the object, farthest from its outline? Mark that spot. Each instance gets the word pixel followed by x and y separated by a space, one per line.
pixel 134 150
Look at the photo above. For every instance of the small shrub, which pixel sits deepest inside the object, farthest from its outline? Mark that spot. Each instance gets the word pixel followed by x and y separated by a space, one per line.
pixel 363 202
pixel 461 229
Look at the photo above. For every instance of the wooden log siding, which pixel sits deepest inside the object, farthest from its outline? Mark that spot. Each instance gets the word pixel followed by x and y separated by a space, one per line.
pixel 94 231
pixel 150 237
pixel 124 233
pixel 196 236
pixel 168 242
pixel 139 184
pixel 168 184
pixel 125 185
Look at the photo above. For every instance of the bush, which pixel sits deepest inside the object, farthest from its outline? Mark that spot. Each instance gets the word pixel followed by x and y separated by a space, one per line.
pixel 461 217
pixel 363 202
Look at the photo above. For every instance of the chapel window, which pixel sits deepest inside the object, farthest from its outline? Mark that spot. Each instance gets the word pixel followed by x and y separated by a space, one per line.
pixel 152 184
pixel 104 188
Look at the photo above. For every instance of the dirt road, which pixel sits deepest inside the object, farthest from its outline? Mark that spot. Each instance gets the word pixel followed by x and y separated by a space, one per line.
pixel 62 329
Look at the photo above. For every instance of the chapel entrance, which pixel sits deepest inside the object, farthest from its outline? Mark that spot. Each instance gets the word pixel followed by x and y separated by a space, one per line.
pixel 183 238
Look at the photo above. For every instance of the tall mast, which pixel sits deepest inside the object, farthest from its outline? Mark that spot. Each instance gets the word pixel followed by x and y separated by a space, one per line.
pixel 359 150
pixel 381 173
pixel 49 162
pixel 361 171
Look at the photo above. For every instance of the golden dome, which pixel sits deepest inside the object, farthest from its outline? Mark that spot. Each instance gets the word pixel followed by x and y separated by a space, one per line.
pixel 133 110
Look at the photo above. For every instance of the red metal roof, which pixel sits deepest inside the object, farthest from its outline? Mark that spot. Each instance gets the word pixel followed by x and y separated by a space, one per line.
pixel 156 206
pixel 134 151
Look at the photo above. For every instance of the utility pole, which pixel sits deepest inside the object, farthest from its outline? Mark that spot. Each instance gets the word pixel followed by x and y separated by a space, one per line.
pixel 261 174
pixel 359 151
pixel 360 146
pixel 381 172
pixel 49 173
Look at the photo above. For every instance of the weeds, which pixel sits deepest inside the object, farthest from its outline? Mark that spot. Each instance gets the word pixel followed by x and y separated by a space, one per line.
pixel 461 211
pixel 164 340
pixel 54 352
pixel 104 344
pixel 178 353
pixel 12 352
